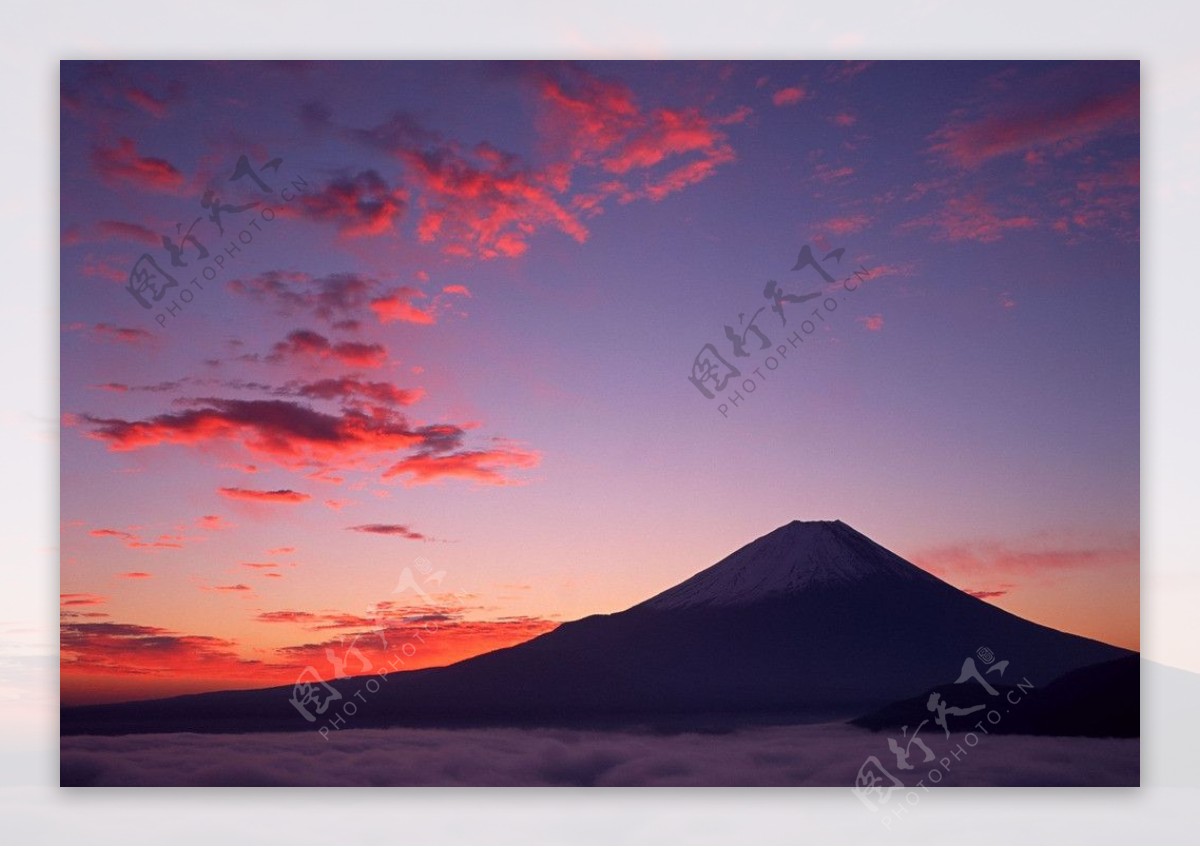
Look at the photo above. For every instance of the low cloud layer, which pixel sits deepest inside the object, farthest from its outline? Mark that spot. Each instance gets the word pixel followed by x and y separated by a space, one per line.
pixel 821 755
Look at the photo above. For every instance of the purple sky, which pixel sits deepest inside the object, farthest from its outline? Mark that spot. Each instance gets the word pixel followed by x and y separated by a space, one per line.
pixel 476 316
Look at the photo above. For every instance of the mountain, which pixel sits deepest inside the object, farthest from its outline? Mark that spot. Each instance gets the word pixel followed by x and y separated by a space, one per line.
pixel 1099 701
pixel 813 621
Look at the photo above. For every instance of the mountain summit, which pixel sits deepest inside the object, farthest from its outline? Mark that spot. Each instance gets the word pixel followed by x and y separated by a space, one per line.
pixel 813 621
pixel 794 557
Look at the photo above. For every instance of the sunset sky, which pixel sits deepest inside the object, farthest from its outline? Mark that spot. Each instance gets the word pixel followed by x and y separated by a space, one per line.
pixel 447 332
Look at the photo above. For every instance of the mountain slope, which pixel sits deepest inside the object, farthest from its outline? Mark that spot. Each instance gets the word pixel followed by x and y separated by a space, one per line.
pixel 812 621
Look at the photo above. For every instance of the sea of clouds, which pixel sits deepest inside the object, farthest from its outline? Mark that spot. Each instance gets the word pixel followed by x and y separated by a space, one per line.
pixel 810 755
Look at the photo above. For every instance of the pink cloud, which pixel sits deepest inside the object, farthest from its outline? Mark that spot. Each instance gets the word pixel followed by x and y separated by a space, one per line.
pixel 398 306
pixel 845 225
pixel 874 323
pixel 123 164
pixel 971 218
pixel 789 96
pixel 362 205
pixel 282 495
pixel 1027 128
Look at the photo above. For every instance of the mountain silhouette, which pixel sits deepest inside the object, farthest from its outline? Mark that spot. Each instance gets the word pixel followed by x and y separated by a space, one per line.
pixel 813 621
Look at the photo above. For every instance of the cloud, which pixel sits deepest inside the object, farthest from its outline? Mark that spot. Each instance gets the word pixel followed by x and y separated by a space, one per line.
pixel 295 436
pixel 789 96
pixel 352 390
pixel 397 306
pixel 115 334
pixel 477 200
pixel 598 123
pixel 1065 121
pixel 214 523
pixel 135 542
pixel 971 218
pixel 485 202
pixel 134 650
pixel 873 323
pixel 123 164
pixel 287 616
pixel 155 106
pixel 988 594
pixel 81 600
pixel 845 225
pixel 813 755
pixel 827 173
pixel 260 565
pixel 481 466
pixel 137 575
pixel 361 205
pixel 282 495
pixel 845 71
pixel 388 529
pixel 991 559
pixel 844 119
pixel 315 116
pixel 234 588
pixel 290 293
pixel 128 232
pixel 460 290
pixel 303 343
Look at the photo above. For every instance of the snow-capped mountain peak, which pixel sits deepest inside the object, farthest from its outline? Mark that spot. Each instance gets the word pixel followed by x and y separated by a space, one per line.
pixel 794 557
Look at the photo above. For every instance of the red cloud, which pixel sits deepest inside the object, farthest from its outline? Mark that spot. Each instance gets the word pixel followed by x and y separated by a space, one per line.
pixel 147 652
pixel 485 203
pixel 874 323
pixel 137 575
pixel 260 565
pixel 842 71
pixel 238 587
pixel 98 655
pixel 397 306
pixel 353 390
pixel 984 594
pixel 789 96
pixel 214 522
pixel 156 106
pixel 119 334
pixel 123 164
pixel 598 122
pixel 844 225
pixel 282 495
pixel 134 542
pixel 844 119
pixel 388 529
pixel 992 559
pixel 971 219
pixel 81 600
pixel 362 205
pixel 461 290
pixel 477 200
pixel 304 342
pixel 128 231
pixel 482 466
pixel 295 436
pixel 1044 125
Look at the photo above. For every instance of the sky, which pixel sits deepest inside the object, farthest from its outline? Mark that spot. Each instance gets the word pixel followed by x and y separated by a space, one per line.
pixel 440 339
